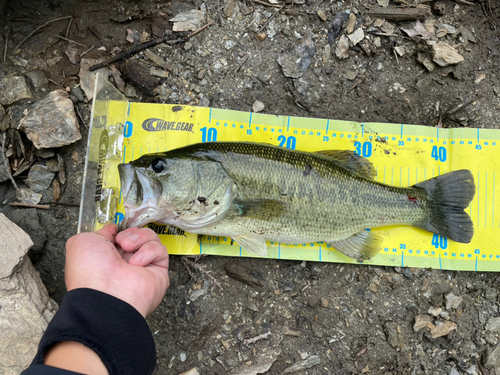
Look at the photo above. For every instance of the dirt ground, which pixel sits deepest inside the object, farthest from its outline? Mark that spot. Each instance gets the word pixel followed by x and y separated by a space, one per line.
pixel 357 319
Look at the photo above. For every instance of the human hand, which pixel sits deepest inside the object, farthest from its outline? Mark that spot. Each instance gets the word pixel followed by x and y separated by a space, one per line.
pixel 131 265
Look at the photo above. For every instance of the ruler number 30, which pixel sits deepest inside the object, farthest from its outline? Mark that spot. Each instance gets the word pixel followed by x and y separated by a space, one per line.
pixel 363 149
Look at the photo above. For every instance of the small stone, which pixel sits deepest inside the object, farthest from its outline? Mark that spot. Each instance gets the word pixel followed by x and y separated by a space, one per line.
pixel 38 80
pixel 78 93
pixel 182 357
pixel 434 311
pixel 357 36
pixel 193 371
pixel 490 338
pixel 445 55
pixel 490 294
pixel 204 102
pixel 258 106
pixel 52 121
pixel 52 165
pixel 312 361
pixel 445 315
pixel 324 302
pixel 342 48
pixel 479 78
pixel 466 34
pixel 54 60
pixel 443 329
pixel 130 91
pixel 322 15
pixel 73 53
pixel 2 112
pixel 454 371
pixel 452 301
pixel 351 23
pixel 421 321
pixel 28 196
pixel 133 36
pixel 13 89
pixel 188 21
pixel 296 59
pixel 18 61
pixel 39 178
pixel 493 325
pixel 493 357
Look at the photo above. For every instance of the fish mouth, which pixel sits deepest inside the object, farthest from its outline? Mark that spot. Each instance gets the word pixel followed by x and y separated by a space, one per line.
pixel 140 196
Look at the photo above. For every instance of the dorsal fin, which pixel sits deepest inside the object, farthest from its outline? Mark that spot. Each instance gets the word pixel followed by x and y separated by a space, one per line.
pixel 352 161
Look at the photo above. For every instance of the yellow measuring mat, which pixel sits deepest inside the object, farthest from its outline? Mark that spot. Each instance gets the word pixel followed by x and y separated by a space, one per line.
pixel 403 155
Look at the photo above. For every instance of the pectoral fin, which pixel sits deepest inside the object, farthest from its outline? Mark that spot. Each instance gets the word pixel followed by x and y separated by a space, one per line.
pixel 352 161
pixel 361 246
pixel 252 243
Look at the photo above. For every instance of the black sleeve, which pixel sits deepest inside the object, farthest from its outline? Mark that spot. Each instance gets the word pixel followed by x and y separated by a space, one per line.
pixel 112 328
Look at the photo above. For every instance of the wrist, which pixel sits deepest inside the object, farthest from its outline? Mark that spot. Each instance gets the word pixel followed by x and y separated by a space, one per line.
pixel 74 356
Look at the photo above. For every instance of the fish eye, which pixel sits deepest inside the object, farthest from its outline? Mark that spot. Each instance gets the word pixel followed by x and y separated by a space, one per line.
pixel 158 165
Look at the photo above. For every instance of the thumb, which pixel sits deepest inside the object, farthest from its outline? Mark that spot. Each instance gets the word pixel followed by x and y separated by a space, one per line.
pixel 109 232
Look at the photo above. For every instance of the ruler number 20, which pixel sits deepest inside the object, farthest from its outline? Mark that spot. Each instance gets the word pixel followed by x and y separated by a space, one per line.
pixel 287 142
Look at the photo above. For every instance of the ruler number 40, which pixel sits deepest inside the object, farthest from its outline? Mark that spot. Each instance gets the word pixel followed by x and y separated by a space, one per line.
pixel 439 242
pixel 438 153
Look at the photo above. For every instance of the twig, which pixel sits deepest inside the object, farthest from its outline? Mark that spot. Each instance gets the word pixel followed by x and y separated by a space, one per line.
pixel 142 46
pixel 71 41
pixel 270 18
pixel 196 266
pixel 200 29
pixel 243 63
pixel 458 107
pixel 55 83
pixel 87 51
pixel 19 204
pixel 69 25
pixel 267 4
pixel 263 336
pixel 464 2
pixel 396 55
pixel 6 46
pixel 80 116
pixel 38 28
pixel 22 120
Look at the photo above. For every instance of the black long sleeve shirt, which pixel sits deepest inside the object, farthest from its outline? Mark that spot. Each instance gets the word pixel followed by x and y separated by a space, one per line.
pixel 109 326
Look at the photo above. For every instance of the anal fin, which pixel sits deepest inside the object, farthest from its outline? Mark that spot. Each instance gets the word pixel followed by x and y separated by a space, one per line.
pixel 360 246
pixel 252 243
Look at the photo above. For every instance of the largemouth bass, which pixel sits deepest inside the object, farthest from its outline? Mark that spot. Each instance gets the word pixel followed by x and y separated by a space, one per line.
pixel 256 192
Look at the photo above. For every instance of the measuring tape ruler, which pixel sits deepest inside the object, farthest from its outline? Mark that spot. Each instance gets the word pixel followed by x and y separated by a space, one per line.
pixel 403 155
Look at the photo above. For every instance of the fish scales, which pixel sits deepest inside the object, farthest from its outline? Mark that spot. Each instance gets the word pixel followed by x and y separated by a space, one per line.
pixel 330 202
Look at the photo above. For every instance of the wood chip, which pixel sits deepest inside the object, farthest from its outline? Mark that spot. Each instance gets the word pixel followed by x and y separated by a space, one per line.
pixel 238 271
pixel 158 60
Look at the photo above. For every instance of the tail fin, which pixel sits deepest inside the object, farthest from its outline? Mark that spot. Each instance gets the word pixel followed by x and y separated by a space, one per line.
pixel 448 196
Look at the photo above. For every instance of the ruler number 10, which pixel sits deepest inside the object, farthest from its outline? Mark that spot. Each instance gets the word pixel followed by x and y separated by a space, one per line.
pixel 209 135
pixel 439 242
pixel 438 153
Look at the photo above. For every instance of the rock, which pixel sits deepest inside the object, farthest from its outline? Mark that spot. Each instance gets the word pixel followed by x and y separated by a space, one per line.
pixel 336 25
pixel 303 365
pixel 199 292
pixel 183 357
pixel 443 329
pixel 452 301
pixel 44 153
pixel 5 123
pixel 52 121
pixel 73 53
pixel 13 89
pixel 26 306
pixel 324 302
pixel 261 366
pixel 396 337
pixel 133 36
pixel 28 196
pixel 421 321
pixel 4 163
pixel 193 371
pixel 87 78
pixel 38 80
pixel 188 21
pixel 140 76
pixel 434 311
pixel 18 61
pixel 296 59
pixel 78 93
pixel 258 106
pixel 493 357
pixel 351 23
pixel 2 112
pixel 454 371
pixel 490 294
pixel 493 325
pixel 342 48
pixel 27 219
pixel 445 55
pixel 39 178
pixel 357 36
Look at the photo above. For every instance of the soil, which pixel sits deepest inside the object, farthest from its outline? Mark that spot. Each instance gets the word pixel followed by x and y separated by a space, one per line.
pixel 358 319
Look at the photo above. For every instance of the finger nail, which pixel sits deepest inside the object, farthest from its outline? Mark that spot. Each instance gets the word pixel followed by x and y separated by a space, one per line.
pixel 138 257
pixel 132 237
